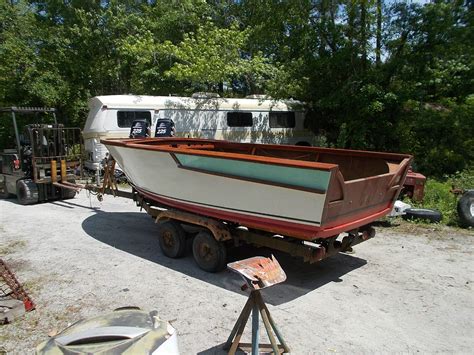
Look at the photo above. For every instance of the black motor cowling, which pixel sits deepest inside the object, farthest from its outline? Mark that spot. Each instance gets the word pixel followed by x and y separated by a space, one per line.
pixel 139 129
pixel 164 128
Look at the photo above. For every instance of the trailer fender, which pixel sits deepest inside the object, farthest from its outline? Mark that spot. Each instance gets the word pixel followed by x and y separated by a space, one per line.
pixel 218 229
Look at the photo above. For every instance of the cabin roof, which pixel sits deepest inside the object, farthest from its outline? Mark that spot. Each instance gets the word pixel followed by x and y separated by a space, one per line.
pixel 173 102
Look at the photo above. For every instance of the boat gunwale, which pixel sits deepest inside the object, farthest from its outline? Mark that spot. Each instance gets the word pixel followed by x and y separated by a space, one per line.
pixel 146 144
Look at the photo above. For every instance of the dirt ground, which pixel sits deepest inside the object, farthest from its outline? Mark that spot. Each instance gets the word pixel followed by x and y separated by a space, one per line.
pixel 407 290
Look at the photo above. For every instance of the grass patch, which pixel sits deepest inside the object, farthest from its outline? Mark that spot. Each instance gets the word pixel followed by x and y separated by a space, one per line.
pixel 12 247
pixel 439 197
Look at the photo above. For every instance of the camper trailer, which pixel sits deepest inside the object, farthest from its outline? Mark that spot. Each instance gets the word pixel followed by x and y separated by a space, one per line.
pixel 254 119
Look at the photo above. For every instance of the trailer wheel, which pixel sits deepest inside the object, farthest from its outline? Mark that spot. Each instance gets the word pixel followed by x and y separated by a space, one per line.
pixel 466 208
pixel 26 192
pixel 172 239
pixel 209 254
pixel 422 213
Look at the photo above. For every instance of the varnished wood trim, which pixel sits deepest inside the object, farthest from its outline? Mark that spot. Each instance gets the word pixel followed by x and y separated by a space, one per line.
pixel 360 153
pixel 148 144
pixel 240 157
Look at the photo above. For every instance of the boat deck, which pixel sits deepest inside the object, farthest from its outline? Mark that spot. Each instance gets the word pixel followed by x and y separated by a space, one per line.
pixel 353 164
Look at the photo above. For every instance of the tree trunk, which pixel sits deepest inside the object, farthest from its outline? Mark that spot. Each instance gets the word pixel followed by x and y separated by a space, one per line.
pixel 378 45
pixel 351 14
pixel 363 32
pixel 322 27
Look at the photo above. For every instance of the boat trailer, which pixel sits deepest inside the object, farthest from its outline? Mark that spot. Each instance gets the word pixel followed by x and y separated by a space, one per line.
pixel 210 248
pixel 214 236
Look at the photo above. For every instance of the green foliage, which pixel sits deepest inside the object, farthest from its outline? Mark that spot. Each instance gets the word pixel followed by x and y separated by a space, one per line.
pixel 440 137
pixel 438 194
pixel 213 56
pixel 463 180
pixel 439 197
pixel 382 75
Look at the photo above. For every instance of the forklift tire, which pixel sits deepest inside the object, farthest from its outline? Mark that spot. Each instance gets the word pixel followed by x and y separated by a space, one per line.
pixel 68 194
pixel 4 192
pixel 466 209
pixel 26 192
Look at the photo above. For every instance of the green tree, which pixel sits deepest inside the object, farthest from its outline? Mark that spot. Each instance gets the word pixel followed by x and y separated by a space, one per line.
pixel 215 56
pixel 384 75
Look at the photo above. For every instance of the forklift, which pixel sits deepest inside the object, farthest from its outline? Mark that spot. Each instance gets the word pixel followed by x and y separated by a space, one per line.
pixel 44 164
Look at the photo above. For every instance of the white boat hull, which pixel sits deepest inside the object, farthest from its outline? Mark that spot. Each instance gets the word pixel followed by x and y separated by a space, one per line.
pixel 159 174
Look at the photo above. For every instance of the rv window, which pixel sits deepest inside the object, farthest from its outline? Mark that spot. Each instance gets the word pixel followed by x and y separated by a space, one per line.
pixel 239 119
pixel 126 118
pixel 282 119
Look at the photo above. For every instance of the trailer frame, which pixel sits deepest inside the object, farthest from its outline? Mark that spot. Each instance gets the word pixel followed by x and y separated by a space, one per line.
pixel 225 234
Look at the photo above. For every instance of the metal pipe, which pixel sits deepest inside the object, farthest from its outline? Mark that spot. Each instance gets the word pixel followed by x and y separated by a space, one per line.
pixel 255 326
pixel 273 325
pixel 268 328
pixel 241 319
pixel 97 177
pixel 17 135
pixel 240 330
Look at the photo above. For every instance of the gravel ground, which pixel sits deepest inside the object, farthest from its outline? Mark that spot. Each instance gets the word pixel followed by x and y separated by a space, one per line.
pixel 407 290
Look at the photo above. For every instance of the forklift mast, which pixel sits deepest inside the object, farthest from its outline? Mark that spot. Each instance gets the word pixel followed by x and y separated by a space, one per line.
pixel 46 160
pixel 27 110
pixel 43 144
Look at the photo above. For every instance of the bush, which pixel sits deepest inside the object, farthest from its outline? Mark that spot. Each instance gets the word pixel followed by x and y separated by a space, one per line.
pixel 439 197
pixel 439 136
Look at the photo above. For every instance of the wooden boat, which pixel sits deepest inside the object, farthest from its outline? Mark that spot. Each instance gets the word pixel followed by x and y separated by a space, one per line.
pixel 304 192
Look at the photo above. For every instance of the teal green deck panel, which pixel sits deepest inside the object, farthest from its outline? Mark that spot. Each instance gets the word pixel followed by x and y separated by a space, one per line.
pixel 298 177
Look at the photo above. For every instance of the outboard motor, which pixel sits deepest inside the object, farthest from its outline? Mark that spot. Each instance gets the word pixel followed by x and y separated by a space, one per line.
pixel 139 129
pixel 164 128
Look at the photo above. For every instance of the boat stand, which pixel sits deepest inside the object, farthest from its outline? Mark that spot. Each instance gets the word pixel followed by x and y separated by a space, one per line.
pixel 258 272
pixel 109 182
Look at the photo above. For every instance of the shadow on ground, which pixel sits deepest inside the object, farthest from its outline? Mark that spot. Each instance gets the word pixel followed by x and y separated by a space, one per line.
pixel 66 203
pixel 218 350
pixel 135 233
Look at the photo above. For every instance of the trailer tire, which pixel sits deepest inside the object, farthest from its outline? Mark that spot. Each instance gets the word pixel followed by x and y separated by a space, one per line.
pixel 172 239
pixel 209 254
pixel 26 192
pixel 423 213
pixel 466 209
